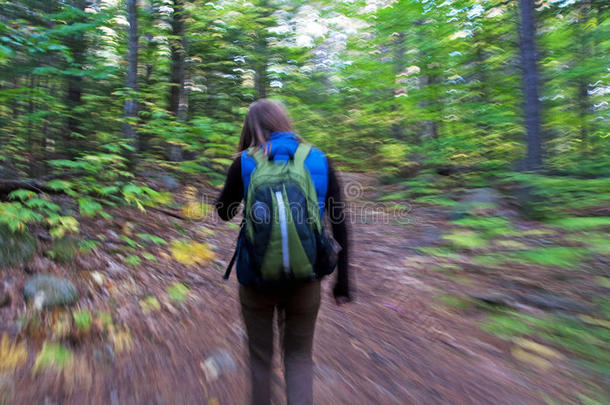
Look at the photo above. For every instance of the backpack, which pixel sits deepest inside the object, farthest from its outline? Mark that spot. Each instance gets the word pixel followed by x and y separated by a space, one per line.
pixel 281 237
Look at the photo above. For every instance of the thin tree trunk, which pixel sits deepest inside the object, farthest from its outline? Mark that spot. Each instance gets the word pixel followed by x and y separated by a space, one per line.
pixel 31 134
pixel 15 103
pixel 531 106
pixel 73 140
pixel 398 67
pixel 584 54
pixel 149 55
pixel 177 94
pixel 429 127
pixel 131 105
pixel 178 54
pixel 261 80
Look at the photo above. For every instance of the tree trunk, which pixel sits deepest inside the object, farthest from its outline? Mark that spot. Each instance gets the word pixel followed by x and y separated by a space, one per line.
pixel 178 103
pixel 131 104
pixel 584 54
pixel 148 51
pixel 74 139
pixel 429 128
pixel 261 80
pixel 531 105
pixel 398 67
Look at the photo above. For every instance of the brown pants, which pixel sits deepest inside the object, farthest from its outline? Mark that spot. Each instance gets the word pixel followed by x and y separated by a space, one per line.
pixel 297 309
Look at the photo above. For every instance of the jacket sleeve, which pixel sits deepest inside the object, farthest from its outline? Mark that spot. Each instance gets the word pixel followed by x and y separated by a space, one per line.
pixel 336 211
pixel 232 193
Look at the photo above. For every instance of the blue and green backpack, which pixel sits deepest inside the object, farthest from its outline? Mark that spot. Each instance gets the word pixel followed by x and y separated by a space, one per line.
pixel 282 237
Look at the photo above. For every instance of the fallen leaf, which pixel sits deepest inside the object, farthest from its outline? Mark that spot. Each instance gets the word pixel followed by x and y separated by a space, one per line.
pixel 12 355
pixel 150 304
pixel 191 253
pixel 595 321
pixel 121 338
pixel 525 356
pixel 537 348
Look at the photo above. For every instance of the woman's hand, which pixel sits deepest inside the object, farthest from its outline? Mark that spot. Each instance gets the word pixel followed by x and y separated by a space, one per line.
pixel 341 294
pixel 342 300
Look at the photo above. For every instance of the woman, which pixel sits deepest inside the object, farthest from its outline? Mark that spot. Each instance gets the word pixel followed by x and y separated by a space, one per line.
pixel 267 126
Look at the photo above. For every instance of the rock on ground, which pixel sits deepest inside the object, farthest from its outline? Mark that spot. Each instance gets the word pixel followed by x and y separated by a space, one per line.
pixel 50 291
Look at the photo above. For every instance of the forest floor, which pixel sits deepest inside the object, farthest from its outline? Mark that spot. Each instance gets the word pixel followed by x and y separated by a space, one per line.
pixel 415 333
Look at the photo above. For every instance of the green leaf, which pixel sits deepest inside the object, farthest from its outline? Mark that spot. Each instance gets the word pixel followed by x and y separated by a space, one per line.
pixel 89 207
pixel 21 195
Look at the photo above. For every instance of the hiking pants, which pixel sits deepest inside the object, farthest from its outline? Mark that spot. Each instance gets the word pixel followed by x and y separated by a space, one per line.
pixel 297 309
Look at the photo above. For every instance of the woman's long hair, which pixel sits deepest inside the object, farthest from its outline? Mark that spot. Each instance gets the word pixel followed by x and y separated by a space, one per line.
pixel 264 117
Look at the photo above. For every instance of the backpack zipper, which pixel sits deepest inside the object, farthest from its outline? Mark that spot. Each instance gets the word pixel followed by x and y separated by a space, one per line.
pixel 281 207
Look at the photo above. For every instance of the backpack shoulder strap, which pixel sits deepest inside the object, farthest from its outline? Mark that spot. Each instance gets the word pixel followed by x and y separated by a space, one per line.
pixel 301 153
pixel 258 155
pixel 236 252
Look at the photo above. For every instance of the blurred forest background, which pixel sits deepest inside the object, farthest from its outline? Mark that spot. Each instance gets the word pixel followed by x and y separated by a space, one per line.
pixel 461 84
pixel 107 105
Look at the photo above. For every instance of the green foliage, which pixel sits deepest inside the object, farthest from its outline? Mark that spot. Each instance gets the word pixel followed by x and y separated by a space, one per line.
pixel 35 209
pixel 105 319
pixel 61 225
pixel 581 223
pixel 52 356
pixel 558 256
pixel 133 260
pixel 82 320
pixel 156 240
pixel 551 197
pixel 16 217
pixel 455 302
pixel 432 200
pixel 130 242
pixel 15 247
pixel 64 249
pixel 178 292
pixel 488 226
pixel 149 257
pixel 584 341
pixel 150 304
pixel 508 325
pixel 466 240
pixel 551 256
pixel 394 89
pixel 87 246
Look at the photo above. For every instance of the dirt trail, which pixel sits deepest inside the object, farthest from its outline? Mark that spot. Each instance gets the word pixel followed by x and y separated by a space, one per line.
pixel 396 344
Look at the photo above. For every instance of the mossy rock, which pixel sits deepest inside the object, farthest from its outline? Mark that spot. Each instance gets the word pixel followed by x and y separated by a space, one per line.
pixel 63 250
pixel 478 201
pixel 530 201
pixel 15 247
pixel 50 291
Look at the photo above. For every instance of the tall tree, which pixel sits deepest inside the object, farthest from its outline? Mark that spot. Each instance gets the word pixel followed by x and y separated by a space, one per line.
pixel 178 101
pixel 131 105
pixel 531 102
pixel 77 44
pixel 261 49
